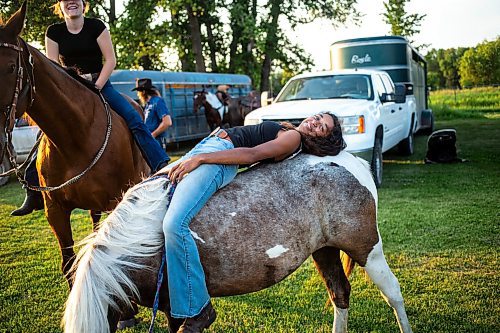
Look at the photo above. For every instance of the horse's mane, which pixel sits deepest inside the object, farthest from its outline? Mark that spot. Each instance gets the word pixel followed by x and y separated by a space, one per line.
pixel 73 72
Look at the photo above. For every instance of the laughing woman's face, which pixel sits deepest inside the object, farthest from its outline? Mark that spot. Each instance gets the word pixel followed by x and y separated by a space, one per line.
pixel 317 125
pixel 72 8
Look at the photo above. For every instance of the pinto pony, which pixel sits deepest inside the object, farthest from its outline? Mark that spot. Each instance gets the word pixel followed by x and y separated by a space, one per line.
pixel 251 235
pixel 82 142
pixel 233 117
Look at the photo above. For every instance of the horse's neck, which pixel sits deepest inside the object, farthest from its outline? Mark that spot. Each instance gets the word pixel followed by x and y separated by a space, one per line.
pixel 63 108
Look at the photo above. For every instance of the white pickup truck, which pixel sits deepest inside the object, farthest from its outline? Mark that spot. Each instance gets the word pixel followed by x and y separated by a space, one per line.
pixel 375 114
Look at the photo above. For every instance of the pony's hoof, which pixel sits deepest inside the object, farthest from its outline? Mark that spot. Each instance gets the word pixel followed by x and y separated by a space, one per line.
pixel 123 324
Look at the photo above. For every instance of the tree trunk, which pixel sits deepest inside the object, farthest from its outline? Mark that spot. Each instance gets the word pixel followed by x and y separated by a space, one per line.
pixel 195 33
pixel 182 44
pixel 271 40
pixel 212 45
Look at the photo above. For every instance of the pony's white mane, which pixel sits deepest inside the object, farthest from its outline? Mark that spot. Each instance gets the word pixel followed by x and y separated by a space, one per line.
pixel 133 230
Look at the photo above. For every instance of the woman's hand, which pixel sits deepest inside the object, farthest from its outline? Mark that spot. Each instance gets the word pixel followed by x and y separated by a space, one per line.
pixel 179 171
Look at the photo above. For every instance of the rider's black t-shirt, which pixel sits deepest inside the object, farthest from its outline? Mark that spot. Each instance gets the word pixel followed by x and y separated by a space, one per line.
pixel 79 50
pixel 254 135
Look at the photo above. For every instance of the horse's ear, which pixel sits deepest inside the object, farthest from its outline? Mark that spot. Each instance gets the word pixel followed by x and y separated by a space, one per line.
pixel 16 22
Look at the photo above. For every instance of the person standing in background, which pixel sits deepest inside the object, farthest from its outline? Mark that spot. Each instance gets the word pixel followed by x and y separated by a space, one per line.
pixel 156 115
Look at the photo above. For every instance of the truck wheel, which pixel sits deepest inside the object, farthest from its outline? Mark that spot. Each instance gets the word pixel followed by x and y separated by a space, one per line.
pixel 5 166
pixel 406 147
pixel 377 162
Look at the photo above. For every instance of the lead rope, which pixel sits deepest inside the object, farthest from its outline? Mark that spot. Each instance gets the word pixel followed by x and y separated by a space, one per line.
pixel 94 161
pixel 170 193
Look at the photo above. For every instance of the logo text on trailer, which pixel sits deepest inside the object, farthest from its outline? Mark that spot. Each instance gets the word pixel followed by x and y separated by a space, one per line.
pixel 356 59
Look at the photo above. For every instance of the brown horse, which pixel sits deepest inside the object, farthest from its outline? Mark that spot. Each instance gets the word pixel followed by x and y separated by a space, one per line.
pixel 251 234
pixel 231 118
pixel 75 125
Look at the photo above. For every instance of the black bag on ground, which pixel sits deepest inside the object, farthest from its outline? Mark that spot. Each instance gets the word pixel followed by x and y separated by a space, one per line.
pixel 441 147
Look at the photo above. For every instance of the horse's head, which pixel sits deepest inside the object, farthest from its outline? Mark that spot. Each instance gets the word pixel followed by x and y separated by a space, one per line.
pixel 16 73
pixel 199 98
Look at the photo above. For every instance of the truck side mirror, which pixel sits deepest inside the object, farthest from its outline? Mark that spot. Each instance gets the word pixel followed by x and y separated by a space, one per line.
pixel 265 99
pixel 400 93
pixel 385 97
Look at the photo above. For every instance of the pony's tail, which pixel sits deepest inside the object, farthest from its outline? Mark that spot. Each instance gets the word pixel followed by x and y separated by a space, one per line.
pixel 88 302
pixel 101 270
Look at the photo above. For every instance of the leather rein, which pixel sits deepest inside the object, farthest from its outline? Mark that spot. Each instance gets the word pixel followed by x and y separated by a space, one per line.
pixel 10 113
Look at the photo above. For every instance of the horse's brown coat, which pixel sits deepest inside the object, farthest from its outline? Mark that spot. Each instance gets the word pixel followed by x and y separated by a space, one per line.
pixel 73 120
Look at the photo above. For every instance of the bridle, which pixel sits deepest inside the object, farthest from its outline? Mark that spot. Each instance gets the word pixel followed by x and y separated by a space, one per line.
pixel 11 110
pixel 10 113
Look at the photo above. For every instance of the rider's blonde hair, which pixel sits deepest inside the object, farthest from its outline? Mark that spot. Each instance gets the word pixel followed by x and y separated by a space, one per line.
pixel 58 11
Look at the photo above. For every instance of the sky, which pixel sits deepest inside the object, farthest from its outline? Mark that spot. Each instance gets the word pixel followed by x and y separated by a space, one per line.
pixel 448 24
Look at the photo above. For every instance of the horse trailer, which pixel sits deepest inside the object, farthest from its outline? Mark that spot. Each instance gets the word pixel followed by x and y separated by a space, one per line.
pixel 394 55
pixel 178 89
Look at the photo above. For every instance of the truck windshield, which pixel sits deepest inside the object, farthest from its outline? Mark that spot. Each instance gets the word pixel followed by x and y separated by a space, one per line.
pixel 328 87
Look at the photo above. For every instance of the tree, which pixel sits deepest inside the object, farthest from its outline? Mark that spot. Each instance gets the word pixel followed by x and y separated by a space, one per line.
pixel 481 65
pixel 402 23
pixel 435 77
pixel 39 16
pixel 449 61
pixel 138 41
pixel 277 48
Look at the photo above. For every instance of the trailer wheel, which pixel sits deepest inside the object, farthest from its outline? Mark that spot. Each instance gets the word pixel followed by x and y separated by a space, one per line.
pixel 406 146
pixel 377 161
pixel 430 129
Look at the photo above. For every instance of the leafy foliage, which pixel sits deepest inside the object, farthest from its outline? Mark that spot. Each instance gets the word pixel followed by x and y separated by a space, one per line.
pixel 481 65
pixel 238 36
pixel 139 42
pixel 402 23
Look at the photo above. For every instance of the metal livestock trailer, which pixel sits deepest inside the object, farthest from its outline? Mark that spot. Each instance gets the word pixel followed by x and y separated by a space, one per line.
pixel 177 89
pixel 394 55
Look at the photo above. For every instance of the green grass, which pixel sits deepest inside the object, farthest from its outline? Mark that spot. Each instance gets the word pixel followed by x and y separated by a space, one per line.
pixel 440 225
pixel 466 103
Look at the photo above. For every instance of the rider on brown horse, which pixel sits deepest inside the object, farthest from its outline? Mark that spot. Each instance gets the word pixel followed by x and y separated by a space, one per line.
pixel 64 44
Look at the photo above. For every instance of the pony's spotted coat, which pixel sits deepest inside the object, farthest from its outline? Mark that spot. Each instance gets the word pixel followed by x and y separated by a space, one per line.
pixel 305 206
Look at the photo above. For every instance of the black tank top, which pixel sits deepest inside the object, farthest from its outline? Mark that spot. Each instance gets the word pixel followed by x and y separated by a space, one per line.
pixel 79 50
pixel 254 135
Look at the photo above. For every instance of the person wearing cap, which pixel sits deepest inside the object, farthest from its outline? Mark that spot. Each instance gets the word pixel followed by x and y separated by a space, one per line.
pixel 156 115
pixel 85 44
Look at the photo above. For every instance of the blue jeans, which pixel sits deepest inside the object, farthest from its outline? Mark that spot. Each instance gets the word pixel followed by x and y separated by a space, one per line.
pixel 151 150
pixel 186 279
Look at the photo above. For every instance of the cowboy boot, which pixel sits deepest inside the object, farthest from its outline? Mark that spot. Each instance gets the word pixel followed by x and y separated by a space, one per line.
pixel 32 201
pixel 200 322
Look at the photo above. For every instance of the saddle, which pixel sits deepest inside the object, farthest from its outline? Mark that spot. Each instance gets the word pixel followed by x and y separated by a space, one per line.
pixel 216 104
pixel 441 147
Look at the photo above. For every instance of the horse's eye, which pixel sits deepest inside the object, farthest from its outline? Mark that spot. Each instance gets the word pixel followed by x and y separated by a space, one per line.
pixel 11 69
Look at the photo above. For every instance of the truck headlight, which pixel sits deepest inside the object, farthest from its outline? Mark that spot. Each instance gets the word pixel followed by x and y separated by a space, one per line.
pixel 353 124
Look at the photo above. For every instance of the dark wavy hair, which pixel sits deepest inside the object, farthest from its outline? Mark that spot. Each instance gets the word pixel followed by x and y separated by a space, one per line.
pixel 331 145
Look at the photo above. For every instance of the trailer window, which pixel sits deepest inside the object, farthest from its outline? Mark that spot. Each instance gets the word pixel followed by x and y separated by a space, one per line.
pixel 328 87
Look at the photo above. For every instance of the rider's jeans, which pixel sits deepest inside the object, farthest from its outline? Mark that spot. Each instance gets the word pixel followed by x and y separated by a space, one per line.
pixel 186 279
pixel 151 150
